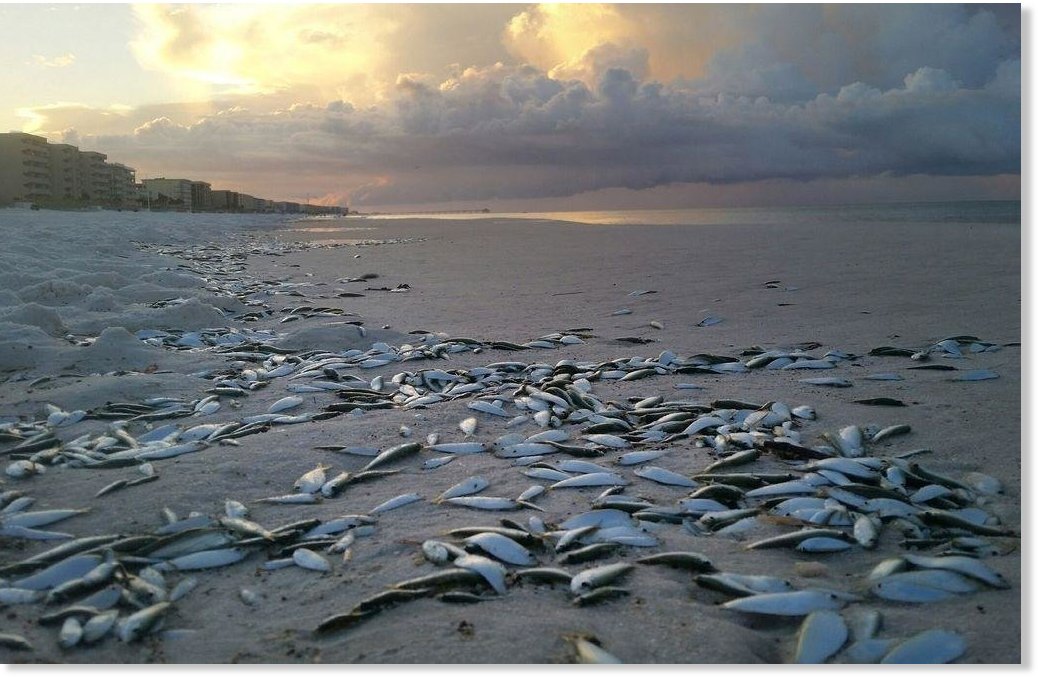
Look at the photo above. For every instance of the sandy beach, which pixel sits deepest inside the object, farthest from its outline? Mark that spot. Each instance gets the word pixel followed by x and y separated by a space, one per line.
pixel 77 290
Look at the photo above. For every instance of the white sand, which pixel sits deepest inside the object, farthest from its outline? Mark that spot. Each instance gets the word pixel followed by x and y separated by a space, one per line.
pixel 857 286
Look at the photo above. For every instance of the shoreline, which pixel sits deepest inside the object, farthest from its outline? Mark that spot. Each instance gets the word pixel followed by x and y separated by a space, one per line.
pixel 852 289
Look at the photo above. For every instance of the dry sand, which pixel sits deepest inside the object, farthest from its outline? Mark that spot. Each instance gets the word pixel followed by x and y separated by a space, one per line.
pixel 857 286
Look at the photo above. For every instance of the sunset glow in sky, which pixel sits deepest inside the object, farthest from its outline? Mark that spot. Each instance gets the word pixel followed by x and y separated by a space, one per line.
pixel 531 106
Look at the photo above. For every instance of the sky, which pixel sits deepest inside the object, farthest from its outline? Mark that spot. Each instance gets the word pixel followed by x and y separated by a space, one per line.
pixel 531 107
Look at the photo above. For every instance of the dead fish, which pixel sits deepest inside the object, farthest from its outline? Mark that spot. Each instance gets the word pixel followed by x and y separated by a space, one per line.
pixel 394 453
pixel 502 548
pixel 461 448
pixel 639 457
pixel 598 595
pixel 99 625
pixel 827 381
pixel 599 576
pixel 305 558
pixel 934 646
pixel 594 479
pixel 311 481
pixel 471 485
pixel 138 624
pixel 893 430
pixel 794 604
pixel 690 561
pixel 440 553
pixel 880 401
pixel 963 565
pixel 286 403
pixel 15 642
pixel 589 651
pixel 214 558
pixel 468 426
pixel 822 634
pixel 71 633
pixel 607 440
pixel 437 462
pixel 485 502
pixel 665 477
pixel 975 376
pixel 294 499
pixel 491 571
pixel 393 503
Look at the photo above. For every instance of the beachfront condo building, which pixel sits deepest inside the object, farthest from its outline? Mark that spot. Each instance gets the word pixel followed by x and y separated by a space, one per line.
pixel 169 194
pixel 60 175
pixel 201 196
pixel 24 168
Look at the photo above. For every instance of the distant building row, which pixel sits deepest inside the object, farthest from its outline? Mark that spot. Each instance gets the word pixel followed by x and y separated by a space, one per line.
pixel 61 176
pixel 186 195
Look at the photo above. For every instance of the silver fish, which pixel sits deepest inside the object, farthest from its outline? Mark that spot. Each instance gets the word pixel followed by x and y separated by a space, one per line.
pixel 393 503
pixel 99 625
pixel 311 481
pixel 599 576
pixel 787 603
pixel 136 625
pixel 502 548
pixel 471 485
pixel 931 647
pixel 821 636
pixel 214 558
pixel 594 479
pixel 491 571
pixel 485 502
pixel 305 558
pixel 461 448
pixel 665 477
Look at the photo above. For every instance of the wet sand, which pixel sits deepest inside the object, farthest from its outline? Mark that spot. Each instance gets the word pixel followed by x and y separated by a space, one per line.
pixel 850 287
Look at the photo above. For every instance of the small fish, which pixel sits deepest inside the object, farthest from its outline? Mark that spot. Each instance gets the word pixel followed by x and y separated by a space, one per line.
pixel 932 647
pixel 599 576
pixel 311 481
pixel 593 479
pixel 502 548
pixel 821 635
pixel 590 652
pixel 485 502
pixel 437 462
pixel 138 624
pixel 793 604
pixel 305 558
pixel 286 403
pixel 491 571
pixel 975 376
pixel 468 426
pixel 393 503
pixel 665 477
pixel 471 485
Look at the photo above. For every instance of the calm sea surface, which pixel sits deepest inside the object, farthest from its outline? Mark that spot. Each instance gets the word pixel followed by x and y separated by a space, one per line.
pixel 997 212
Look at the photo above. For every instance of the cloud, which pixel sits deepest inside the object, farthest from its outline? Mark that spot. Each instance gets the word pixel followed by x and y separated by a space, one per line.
pixel 566 100
pixel 62 61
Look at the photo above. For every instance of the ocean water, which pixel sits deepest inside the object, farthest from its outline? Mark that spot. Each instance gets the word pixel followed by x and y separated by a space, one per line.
pixel 980 212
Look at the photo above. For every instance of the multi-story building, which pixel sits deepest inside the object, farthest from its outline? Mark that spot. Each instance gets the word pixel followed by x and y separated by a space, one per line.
pixel 201 196
pixel 24 168
pixel 122 187
pixel 287 207
pixel 94 177
pixel 65 187
pixel 168 194
pixel 226 201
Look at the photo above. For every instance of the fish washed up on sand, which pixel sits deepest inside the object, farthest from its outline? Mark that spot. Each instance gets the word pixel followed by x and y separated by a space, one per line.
pixel 196 393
